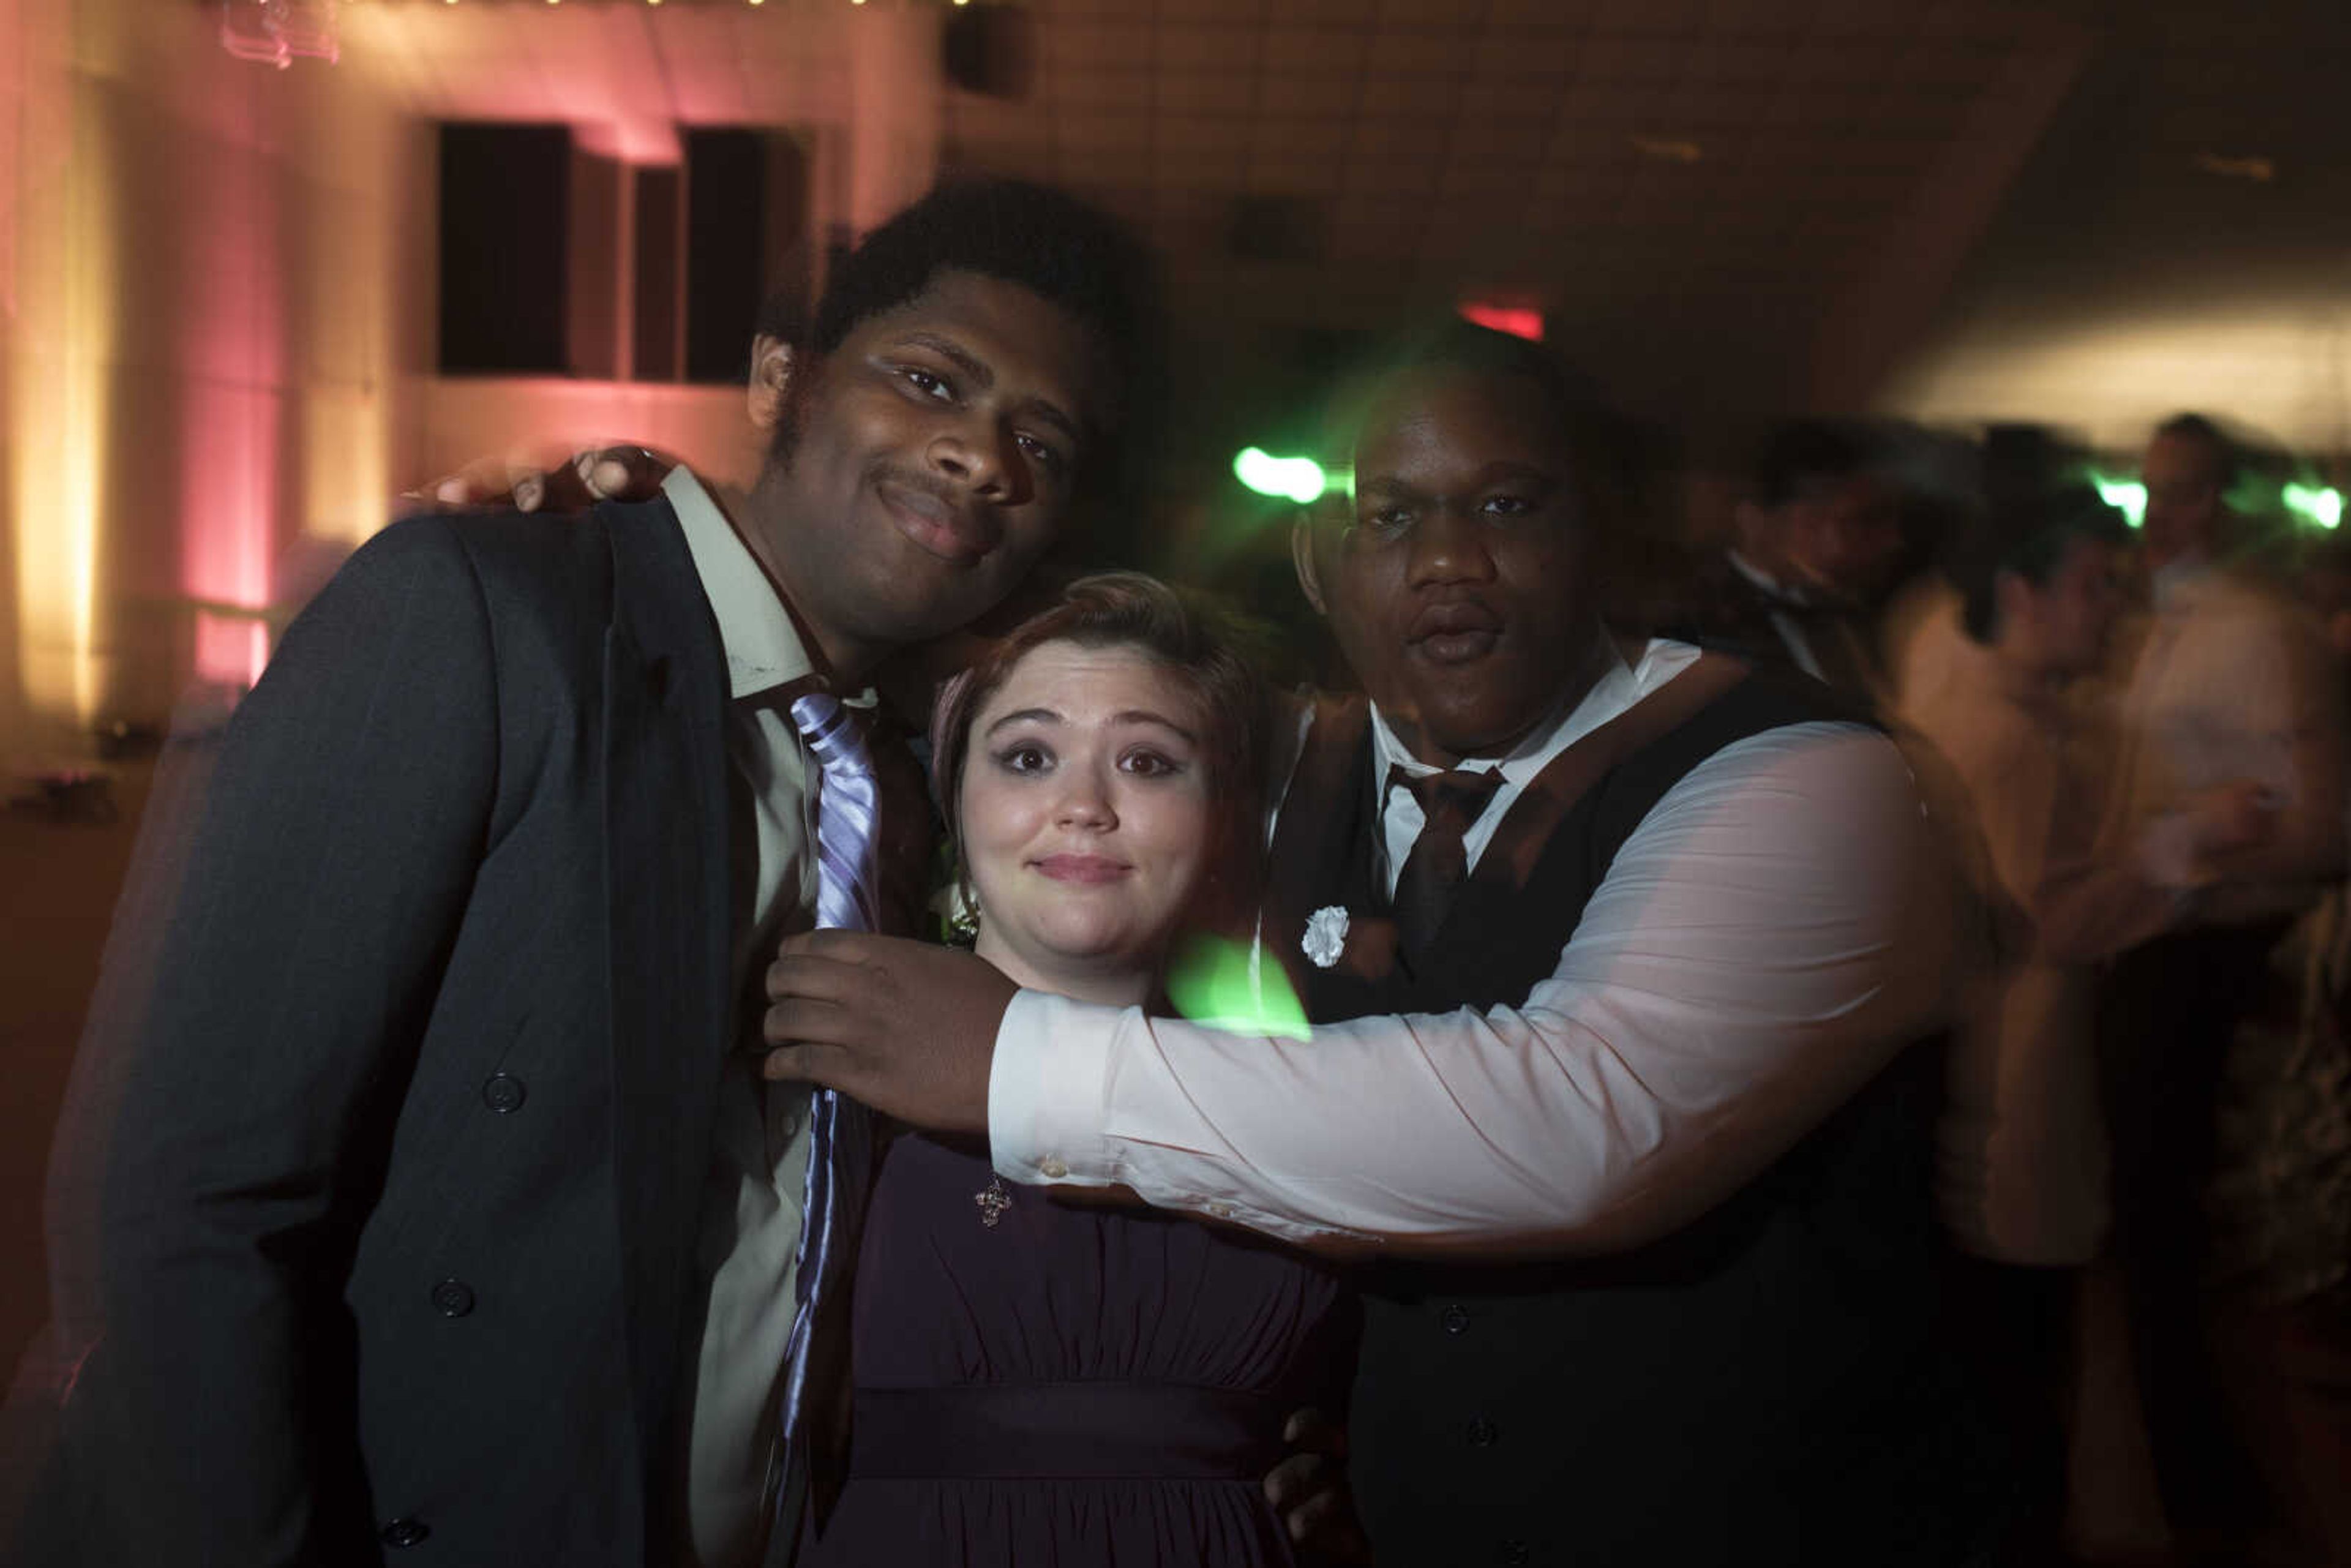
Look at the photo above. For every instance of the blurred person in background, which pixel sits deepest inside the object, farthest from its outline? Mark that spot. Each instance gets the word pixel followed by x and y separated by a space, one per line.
pixel 2232 687
pixel 2279 1200
pixel 2022 1169
pixel 1819 537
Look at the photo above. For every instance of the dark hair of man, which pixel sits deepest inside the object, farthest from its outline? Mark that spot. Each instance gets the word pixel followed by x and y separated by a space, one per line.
pixel 2228 461
pixel 2029 544
pixel 1805 454
pixel 1131 610
pixel 1598 439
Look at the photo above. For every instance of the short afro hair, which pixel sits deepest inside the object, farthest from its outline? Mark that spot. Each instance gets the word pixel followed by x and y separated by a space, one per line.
pixel 1593 432
pixel 1069 254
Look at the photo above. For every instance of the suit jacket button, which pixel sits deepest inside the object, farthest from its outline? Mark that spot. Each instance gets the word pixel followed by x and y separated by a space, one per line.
pixel 453 1298
pixel 1482 1433
pixel 1455 1319
pixel 504 1094
pixel 403 1532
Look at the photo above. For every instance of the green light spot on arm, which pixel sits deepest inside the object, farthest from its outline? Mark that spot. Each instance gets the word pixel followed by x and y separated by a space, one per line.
pixel 1210 983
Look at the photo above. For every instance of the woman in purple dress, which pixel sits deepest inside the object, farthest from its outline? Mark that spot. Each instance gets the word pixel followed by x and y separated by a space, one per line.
pixel 1039 1382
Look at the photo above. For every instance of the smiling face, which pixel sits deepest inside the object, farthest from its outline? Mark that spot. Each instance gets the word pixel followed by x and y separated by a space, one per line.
pixel 1460 586
pixel 1085 819
pixel 925 462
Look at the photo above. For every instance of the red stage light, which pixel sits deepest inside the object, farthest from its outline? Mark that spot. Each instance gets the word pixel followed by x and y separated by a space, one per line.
pixel 1518 320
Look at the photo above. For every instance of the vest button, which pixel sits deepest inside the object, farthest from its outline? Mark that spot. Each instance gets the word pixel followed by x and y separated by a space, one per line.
pixel 453 1298
pixel 1455 1319
pixel 1482 1433
pixel 504 1094
pixel 405 1532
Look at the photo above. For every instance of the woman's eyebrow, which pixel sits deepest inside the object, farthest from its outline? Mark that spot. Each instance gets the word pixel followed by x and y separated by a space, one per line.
pixel 1144 716
pixel 1027 715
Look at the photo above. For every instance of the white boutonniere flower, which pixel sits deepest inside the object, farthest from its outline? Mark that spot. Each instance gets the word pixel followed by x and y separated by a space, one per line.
pixel 1326 935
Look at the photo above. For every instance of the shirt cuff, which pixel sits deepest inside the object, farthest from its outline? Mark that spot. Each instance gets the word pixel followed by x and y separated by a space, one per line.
pixel 1049 1091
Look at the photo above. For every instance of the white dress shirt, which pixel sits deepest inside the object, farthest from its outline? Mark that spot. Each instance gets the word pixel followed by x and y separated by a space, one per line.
pixel 1766 939
pixel 753 1200
pixel 1617 688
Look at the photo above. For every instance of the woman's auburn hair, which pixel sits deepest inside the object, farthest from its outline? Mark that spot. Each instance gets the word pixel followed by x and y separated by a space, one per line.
pixel 1188 641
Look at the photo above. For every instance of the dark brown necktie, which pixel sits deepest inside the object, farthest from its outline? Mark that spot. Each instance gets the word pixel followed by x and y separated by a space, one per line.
pixel 1440 863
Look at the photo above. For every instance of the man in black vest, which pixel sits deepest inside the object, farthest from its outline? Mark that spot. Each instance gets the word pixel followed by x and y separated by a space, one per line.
pixel 1612 950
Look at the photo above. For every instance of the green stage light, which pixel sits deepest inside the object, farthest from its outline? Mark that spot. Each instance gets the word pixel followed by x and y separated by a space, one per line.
pixel 1299 479
pixel 2323 505
pixel 2127 497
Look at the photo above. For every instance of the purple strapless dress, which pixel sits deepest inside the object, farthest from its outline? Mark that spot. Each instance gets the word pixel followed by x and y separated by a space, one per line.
pixel 1069 1386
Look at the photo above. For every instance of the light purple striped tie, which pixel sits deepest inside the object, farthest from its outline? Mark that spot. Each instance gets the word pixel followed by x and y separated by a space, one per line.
pixel 841 1139
pixel 844 813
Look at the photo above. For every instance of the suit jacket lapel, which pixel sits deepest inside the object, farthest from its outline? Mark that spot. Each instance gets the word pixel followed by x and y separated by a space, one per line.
pixel 668 887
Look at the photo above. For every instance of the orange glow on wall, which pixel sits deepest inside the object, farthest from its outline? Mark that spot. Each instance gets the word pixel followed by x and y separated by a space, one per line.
pixel 66 278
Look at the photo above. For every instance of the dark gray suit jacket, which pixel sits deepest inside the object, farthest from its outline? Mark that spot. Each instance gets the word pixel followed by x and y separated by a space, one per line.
pixel 400 1197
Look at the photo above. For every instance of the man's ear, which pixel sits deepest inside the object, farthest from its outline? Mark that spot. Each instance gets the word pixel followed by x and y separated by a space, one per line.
pixel 1301 559
pixel 773 362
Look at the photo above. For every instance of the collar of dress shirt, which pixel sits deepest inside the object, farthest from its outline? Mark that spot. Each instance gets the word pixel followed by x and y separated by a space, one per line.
pixel 764 650
pixel 1617 686
pixel 1770 587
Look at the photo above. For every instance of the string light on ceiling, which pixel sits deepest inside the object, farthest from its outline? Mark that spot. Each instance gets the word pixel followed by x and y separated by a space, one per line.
pixel 277 32
pixel 249 13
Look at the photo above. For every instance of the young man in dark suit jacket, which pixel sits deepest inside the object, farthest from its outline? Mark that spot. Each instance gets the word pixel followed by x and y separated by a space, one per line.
pixel 440 1136
pixel 1612 951
pixel 1819 541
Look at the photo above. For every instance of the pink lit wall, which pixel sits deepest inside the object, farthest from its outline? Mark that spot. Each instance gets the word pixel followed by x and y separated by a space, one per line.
pixel 210 306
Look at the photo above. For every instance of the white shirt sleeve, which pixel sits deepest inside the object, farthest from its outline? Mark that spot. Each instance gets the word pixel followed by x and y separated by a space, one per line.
pixel 1772 933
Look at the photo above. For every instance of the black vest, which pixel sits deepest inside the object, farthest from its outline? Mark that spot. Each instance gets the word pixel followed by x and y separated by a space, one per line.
pixel 1766 1387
